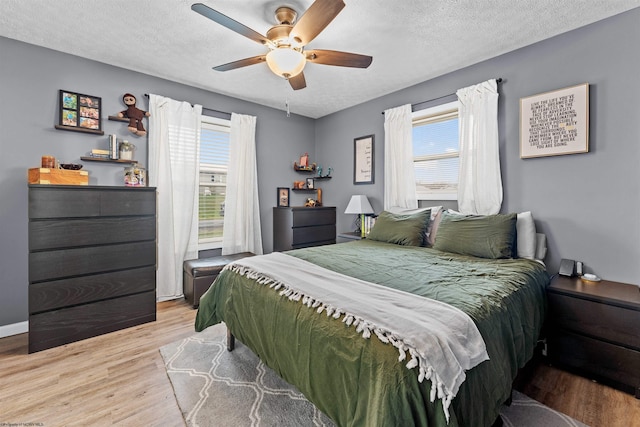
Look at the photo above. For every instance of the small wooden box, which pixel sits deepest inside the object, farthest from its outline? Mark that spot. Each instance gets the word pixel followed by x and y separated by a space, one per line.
pixel 58 176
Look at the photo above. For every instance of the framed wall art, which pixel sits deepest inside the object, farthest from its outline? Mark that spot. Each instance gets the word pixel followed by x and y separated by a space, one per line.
pixel 555 123
pixel 283 197
pixel 79 112
pixel 363 160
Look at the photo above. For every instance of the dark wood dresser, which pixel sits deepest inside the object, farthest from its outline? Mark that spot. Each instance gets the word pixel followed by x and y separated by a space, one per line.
pixel 594 328
pixel 301 227
pixel 92 261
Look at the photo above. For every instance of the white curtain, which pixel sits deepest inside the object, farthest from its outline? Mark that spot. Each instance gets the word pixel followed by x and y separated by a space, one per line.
pixel 479 181
pixel 242 231
pixel 174 134
pixel 399 176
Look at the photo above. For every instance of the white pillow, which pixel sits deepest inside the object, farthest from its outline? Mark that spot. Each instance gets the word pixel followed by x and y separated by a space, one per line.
pixel 432 230
pixel 526 230
pixel 541 246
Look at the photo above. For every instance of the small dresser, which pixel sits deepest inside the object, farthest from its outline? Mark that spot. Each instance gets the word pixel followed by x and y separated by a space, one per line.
pixel 92 261
pixel 301 227
pixel 593 327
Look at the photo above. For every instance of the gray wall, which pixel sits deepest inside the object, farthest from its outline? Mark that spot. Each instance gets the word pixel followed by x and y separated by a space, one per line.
pixel 30 78
pixel 587 204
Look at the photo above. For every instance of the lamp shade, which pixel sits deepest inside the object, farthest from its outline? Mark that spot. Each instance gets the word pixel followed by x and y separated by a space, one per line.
pixel 359 204
pixel 286 62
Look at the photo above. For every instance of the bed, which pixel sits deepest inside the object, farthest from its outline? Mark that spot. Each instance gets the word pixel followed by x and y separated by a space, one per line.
pixel 361 382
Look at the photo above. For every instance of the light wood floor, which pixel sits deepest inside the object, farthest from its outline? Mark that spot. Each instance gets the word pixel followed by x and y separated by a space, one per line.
pixel 119 379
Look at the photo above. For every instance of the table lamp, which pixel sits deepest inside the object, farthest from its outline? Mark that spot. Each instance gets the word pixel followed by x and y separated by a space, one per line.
pixel 359 204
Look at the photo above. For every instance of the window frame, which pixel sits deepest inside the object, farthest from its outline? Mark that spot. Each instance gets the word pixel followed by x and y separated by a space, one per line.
pixel 435 114
pixel 223 125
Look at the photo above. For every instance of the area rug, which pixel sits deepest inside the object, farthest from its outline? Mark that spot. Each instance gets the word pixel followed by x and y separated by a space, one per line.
pixel 215 387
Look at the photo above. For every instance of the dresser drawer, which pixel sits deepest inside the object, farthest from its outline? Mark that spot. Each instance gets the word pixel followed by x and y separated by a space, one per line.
pixel 611 323
pixel 66 325
pixel 313 216
pixel 312 244
pixel 67 263
pixel 75 232
pixel 303 235
pixel 56 202
pixel 599 360
pixel 57 294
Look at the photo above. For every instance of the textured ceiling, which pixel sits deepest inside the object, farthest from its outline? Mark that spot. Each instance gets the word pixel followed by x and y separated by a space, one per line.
pixel 410 41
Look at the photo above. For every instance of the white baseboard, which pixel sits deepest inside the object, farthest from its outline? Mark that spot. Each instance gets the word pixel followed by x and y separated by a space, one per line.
pixel 14 329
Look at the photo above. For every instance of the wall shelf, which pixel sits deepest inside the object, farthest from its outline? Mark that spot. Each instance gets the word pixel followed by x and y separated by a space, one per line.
pixel 77 129
pixel 118 119
pixel 306 169
pixel 100 159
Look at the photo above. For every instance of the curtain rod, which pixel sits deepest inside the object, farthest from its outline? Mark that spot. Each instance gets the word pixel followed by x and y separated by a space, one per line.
pixel 498 80
pixel 224 113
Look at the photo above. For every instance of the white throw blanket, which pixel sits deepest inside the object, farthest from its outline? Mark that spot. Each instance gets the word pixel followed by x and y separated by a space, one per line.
pixel 442 341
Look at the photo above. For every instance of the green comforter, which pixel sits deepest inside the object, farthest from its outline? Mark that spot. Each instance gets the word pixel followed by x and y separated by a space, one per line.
pixel 359 382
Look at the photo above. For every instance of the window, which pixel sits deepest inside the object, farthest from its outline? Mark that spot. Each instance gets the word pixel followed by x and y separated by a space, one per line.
pixel 436 152
pixel 214 159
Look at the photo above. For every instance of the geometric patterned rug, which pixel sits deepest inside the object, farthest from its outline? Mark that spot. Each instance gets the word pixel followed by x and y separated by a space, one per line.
pixel 215 387
pixel 524 412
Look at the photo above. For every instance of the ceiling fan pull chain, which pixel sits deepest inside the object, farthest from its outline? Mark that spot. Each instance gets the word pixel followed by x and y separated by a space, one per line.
pixel 286 103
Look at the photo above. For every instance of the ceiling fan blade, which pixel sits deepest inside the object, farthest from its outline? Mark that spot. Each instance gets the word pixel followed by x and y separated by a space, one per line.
pixel 241 63
pixel 231 24
pixel 298 82
pixel 315 19
pixel 335 57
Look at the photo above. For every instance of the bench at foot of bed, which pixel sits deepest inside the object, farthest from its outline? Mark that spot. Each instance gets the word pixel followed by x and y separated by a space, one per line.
pixel 231 341
pixel 199 274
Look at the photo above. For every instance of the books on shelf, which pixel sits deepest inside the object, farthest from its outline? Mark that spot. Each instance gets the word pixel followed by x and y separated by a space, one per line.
pixel 367 224
pixel 100 154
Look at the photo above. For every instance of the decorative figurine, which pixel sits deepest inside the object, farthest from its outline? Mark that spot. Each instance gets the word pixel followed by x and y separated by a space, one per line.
pixel 134 114
pixel 304 160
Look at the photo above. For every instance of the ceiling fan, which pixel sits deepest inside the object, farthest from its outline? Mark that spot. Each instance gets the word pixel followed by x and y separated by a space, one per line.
pixel 286 41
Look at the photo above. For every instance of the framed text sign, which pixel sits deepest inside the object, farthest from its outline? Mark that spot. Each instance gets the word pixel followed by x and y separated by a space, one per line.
pixel 363 160
pixel 555 123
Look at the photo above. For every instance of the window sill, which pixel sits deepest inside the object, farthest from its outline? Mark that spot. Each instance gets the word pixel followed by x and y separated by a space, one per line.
pixel 208 246
pixel 453 197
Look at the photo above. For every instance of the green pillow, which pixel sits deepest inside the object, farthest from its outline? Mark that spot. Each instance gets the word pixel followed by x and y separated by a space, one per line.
pixel 490 236
pixel 401 229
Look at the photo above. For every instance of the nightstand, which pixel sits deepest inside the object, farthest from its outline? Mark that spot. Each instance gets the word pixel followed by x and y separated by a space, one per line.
pixel 351 235
pixel 593 329
pixel 302 227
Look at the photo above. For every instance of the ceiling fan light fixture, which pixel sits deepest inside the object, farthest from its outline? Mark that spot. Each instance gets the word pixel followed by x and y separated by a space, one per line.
pixel 286 62
pixel 287 40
